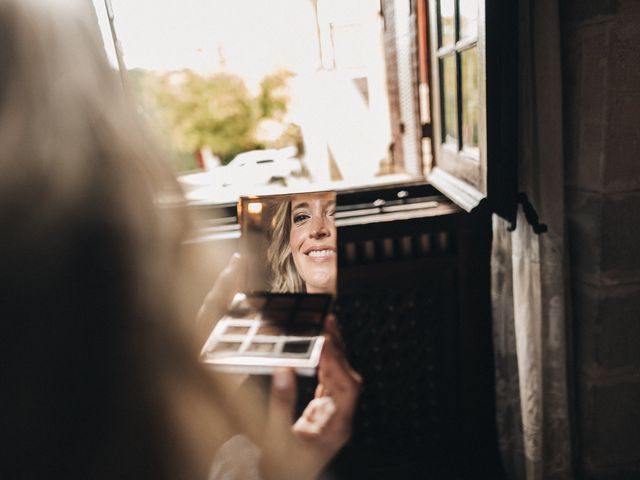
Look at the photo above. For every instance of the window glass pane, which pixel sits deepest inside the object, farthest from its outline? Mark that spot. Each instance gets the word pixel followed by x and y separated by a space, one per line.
pixel 468 18
pixel 449 100
pixel 447 22
pixel 470 98
pixel 246 106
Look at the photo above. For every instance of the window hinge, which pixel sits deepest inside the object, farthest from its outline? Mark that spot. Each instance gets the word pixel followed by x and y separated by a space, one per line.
pixel 530 214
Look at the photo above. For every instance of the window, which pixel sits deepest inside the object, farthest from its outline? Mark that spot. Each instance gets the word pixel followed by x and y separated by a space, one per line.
pixel 459 128
pixel 286 80
pixel 474 94
pixel 327 94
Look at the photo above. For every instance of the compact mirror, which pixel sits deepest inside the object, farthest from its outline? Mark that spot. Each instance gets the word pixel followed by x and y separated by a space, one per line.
pixel 290 249
pixel 290 242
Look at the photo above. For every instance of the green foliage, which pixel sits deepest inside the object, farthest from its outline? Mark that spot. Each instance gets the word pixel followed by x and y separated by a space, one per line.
pixel 192 111
pixel 273 99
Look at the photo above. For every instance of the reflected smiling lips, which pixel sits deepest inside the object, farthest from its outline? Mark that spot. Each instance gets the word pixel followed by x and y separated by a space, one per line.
pixel 320 253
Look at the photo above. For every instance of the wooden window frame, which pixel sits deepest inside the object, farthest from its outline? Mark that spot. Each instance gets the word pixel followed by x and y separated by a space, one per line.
pixel 459 174
pixel 490 177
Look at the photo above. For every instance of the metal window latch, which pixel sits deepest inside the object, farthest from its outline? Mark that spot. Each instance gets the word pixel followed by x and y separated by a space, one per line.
pixel 530 214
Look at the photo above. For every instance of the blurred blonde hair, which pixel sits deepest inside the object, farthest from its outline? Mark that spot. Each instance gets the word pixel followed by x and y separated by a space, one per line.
pixel 101 378
pixel 285 276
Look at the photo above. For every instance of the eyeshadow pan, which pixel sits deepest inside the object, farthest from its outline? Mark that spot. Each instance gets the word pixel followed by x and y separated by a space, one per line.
pixel 276 316
pixel 269 330
pixel 313 303
pixel 235 330
pixel 222 347
pixel 261 347
pixel 296 346
pixel 281 303
pixel 256 303
pixel 308 317
pixel 301 330
pixel 242 313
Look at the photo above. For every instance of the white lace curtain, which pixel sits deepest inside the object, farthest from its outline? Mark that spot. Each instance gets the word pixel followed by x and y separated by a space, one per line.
pixel 528 270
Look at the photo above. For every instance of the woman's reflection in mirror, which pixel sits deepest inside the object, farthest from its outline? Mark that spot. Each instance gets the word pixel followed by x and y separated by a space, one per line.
pixel 302 253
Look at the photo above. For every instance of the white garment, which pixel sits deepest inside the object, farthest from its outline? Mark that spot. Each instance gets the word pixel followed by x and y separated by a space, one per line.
pixel 237 459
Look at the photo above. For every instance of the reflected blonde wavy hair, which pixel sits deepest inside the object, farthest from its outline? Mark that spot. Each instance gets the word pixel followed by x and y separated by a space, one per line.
pixel 285 277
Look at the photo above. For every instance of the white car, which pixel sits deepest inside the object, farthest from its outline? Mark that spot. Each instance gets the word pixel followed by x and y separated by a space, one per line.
pixel 253 168
pixel 261 167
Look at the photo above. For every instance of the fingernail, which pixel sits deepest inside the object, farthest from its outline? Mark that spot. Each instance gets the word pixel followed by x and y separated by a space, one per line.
pixel 235 258
pixel 281 379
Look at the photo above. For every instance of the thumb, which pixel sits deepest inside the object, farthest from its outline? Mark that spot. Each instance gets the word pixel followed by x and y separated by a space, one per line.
pixel 228 283
pixel 230 280
pixel 282 402
pixel 276 444
pixel 284 455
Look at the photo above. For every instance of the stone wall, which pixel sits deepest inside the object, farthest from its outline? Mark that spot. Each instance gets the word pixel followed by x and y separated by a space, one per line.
pixel 601 54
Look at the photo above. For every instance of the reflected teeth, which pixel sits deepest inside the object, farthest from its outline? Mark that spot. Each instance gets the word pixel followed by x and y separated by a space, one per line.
pixel 320 253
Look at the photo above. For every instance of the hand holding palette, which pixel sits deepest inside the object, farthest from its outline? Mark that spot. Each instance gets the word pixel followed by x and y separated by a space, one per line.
pixel 262 331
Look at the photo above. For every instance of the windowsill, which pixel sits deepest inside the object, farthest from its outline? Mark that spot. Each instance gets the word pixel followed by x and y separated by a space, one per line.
pixel 228 196
pixel 356 207
pixel 460 192
pixel 405 212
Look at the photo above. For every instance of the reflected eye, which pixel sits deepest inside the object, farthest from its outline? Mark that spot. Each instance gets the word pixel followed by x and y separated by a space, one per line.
pixel 300 217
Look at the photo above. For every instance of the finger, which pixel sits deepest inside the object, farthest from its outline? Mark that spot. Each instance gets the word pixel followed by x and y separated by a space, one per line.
pixel 332 330
pixel 320 391
pixel 283 456
pixel 334 366
pixel 342 382
pixel 228 283
pixel 281 405
pixel 315 418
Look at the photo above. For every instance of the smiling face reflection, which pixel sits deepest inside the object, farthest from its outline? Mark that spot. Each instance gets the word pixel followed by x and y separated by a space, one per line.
pixel 313 242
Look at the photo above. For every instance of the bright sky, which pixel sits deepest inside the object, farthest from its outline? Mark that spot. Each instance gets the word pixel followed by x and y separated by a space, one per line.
pixel 255 37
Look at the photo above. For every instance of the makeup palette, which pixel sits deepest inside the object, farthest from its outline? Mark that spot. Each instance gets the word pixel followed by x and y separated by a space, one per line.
pixel 262 331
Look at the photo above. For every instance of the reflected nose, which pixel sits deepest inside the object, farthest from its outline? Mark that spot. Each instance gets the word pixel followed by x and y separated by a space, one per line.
pixel 319 228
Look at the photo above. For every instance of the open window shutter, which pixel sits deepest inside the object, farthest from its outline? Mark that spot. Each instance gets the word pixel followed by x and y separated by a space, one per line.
pixel 474 71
